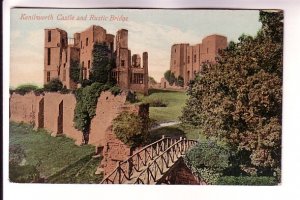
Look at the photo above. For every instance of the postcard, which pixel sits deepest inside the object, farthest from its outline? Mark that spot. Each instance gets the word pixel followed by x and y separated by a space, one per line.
pixel 146 96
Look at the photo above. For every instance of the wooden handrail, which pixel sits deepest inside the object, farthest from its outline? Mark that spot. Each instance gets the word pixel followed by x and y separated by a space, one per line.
pixel 119 174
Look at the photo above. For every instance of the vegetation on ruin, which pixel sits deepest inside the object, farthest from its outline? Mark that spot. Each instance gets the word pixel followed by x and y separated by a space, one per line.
pixel 75 71
pixel 86 103
pixel 130 129
pixel 102 64
pixel 35 154
pixel 54 85
pixel 100 80
pixel 25 88
pixel 239 100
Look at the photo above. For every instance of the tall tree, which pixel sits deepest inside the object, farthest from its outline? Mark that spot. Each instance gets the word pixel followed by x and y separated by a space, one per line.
pixel 239 99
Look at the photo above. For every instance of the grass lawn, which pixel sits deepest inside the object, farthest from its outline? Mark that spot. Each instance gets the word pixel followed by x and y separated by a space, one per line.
pixel 49 154
pixel 175 100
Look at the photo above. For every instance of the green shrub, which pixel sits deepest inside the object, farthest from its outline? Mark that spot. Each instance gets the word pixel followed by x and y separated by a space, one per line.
pixel 23 89
pixel 129 128
pixel 208 159
pixel 54 85
pixel 247 180
pixel 115 90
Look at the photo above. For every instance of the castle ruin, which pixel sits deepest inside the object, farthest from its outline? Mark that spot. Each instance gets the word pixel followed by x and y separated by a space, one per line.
pixel 131 72
pixel 187 60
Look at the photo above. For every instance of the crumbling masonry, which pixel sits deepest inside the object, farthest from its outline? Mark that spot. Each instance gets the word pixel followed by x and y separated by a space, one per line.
pixel 131 72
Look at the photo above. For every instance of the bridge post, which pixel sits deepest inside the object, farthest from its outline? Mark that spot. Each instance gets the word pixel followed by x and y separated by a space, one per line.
pixel 119 171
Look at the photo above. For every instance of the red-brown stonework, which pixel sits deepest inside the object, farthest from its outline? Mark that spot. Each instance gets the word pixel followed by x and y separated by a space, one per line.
pixel 23 108
pixel 186 59
pixel 61 50
pixel 181 174
pixel 55 113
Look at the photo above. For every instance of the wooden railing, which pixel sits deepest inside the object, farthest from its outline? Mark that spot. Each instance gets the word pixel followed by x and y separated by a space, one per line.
pixel 150 163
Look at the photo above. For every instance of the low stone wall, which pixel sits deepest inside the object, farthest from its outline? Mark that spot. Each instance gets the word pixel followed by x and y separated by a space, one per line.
pixel 23 108
pixel 55 112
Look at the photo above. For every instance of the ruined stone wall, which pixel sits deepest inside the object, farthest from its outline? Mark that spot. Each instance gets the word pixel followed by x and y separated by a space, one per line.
pixel 23 107
pixel 55 113
pixel 114 150
pixel 108 107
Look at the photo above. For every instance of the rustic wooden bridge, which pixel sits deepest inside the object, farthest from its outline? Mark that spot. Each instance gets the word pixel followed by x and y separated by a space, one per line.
pixel 151 164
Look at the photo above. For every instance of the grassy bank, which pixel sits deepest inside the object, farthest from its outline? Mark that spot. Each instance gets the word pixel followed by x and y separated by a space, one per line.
pixel 48 154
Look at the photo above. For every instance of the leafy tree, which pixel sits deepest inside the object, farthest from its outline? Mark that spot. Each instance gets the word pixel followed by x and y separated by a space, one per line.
pixel 170 77
pixel 102 64
pixel 54 85
pixel 239 99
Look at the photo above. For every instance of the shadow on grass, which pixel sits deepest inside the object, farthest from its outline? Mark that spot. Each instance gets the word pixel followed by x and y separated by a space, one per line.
pixel 152 91
pixel 172 132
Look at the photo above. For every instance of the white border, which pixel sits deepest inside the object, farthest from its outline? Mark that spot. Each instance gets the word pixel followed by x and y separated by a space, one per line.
pixel 291 114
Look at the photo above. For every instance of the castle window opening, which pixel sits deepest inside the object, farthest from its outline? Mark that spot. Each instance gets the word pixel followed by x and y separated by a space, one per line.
pixel 63 42
pixel 82 64
pixel 188 59
pixel 89 64
pixel 49 36
pixel 86 41
pixel 175 50
pixel 195 58
pixel 49 56
pixel 207 50
pixel 122 63
pixel 138 78
pixel 48 76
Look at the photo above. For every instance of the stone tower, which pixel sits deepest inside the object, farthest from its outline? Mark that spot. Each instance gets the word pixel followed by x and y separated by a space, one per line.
pixel 56 40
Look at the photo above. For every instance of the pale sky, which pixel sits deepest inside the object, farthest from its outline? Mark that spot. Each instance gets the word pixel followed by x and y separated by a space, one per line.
pixel 149 30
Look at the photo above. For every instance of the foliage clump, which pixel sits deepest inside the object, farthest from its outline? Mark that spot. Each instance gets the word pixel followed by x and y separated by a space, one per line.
pixel 247 180
pixel 207 159
pixel 172 79
pixel 75 71
pixel 102 64
pixel 54 85
pixel 130 129
pixel 156 102
pixel 85 110
pixel 26 88
pixel 239 100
